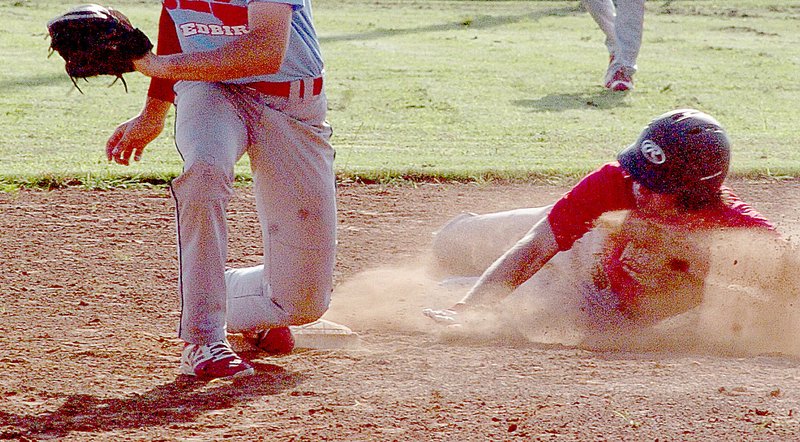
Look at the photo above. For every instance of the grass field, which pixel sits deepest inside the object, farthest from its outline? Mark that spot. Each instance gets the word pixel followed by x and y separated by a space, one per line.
pixel 443 88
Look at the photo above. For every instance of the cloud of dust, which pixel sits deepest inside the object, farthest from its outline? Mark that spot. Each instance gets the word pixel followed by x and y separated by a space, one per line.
pixel 391 298
pixel 751 304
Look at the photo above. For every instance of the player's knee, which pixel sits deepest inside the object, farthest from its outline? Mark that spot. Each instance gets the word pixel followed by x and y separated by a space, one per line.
pixel 203 182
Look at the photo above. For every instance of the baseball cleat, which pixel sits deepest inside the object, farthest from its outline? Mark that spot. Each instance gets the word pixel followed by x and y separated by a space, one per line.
pixel 213 361
pixel 275 341
pixel 620 81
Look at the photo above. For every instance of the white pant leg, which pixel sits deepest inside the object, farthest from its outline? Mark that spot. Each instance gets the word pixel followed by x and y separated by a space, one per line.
pixel 468 244
pixel 294 185
pixel 603 13
pixel 210 137
pixel 629 26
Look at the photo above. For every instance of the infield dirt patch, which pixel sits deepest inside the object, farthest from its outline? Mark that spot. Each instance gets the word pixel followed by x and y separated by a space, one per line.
pixel 88 349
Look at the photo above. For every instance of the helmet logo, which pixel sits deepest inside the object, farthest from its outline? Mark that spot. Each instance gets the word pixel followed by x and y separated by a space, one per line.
pixel 653 152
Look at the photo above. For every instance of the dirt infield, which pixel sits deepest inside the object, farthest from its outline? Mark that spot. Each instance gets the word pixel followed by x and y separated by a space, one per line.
pixel 88 349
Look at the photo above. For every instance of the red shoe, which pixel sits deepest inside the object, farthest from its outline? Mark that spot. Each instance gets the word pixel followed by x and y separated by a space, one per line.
pixel 276 341
pixel 213 361
pixel 620 81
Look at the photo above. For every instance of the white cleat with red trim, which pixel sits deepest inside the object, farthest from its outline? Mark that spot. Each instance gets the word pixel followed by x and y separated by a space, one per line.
pixel 216 360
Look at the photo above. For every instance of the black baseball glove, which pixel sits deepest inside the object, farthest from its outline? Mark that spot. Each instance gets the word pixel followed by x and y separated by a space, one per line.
pixel 95 40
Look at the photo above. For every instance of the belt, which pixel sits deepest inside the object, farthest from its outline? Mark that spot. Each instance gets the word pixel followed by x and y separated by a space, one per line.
pixel 284 88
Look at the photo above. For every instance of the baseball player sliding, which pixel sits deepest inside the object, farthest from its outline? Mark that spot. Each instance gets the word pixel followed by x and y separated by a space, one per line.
pixel 669 186
pixel 622 25
pixel 246 76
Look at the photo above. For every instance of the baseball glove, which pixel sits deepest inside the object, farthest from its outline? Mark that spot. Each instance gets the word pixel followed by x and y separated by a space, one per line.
pixel 95 40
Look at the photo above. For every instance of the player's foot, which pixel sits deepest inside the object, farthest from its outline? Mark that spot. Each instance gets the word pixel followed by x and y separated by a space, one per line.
pixel 620 81
pixel 276 341
pixel 213 361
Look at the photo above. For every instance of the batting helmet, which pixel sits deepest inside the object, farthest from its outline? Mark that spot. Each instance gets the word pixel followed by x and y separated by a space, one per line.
pixel 681 151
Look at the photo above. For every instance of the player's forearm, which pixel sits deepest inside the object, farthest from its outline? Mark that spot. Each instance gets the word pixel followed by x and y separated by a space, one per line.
pixel 248 56
pixel 515 267
pixel 259 52
pixel 155 109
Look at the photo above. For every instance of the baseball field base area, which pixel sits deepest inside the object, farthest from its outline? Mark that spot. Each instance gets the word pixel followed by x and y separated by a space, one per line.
pixel 90 352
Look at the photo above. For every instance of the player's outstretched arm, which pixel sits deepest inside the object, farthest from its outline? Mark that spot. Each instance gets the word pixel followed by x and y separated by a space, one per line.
pixel 507 273
pixel 515 267
pixel 131 137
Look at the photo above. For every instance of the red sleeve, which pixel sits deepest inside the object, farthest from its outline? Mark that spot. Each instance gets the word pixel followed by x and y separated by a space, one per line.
pixel 739 214
pixel 168 43
pixel 607 189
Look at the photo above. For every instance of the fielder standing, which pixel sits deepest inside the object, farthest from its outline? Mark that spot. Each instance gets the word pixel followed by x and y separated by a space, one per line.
pixel 245 76
pixel 622 25
pixel 670 183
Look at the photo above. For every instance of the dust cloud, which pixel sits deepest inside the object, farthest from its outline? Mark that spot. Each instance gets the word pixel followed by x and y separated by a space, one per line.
pixel 391 298
pixel 750 304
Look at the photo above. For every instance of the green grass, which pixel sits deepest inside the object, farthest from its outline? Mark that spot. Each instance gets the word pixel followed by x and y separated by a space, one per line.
pixel 444 89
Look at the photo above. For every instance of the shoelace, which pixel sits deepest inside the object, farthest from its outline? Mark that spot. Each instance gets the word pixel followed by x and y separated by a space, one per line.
pixel 221 351
pixel 216 352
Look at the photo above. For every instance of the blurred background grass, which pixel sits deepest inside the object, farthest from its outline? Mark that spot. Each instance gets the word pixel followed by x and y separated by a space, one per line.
pixel 442 90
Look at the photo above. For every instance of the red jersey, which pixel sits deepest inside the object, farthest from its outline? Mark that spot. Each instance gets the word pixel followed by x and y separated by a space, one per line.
pixel 644 255
pixel 168 43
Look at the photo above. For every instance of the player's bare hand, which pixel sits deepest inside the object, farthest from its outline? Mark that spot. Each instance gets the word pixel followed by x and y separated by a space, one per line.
pixel 444 316
pixel 130 138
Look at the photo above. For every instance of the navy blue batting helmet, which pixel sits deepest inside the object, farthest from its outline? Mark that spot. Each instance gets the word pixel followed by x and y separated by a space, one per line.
pixel 683 150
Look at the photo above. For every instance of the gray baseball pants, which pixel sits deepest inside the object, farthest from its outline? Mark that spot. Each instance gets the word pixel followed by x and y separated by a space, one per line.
pixel 622 25
pixel 287 141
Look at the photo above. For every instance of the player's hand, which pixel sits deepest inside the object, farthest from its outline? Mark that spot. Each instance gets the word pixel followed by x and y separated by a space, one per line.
pixel 444 317
pixel 130 138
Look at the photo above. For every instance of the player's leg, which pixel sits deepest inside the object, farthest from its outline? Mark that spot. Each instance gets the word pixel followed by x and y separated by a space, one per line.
pixel 603 12
pixel 253 312
pixel 629 26
pixel 468 243
pixel 294 186
pixel 210 138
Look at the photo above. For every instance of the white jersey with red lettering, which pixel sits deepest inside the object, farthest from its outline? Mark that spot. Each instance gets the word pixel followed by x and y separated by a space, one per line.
pixel 202 25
